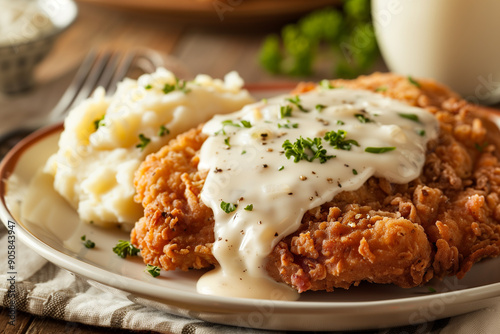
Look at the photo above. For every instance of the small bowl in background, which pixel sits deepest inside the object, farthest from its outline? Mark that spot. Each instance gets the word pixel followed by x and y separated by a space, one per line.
pixel 28 29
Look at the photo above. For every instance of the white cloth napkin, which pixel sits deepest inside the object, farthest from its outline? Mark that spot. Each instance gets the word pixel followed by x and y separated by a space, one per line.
pixel 43 289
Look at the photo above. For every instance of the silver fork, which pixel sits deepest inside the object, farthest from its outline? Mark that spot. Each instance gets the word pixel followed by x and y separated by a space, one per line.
pixel 105 68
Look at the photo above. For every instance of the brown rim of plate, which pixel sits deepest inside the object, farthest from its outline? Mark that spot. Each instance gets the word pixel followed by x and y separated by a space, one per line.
pixel 9 162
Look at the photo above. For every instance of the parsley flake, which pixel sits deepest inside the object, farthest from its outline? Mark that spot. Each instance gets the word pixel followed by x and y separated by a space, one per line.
pixel 421 133
pixel 414 82
pixel 362 118
pixel 381 89
pixel 241 124
pixel 226 141
pixel 326 84
pixel 168 88
pixel 281 168
pixel 179 85
pixel 249 207
pixel 296 101
pixel 288 125
pixel 124 248
pixel 355 172
pixel 298 149
pixel 228 207
pixel 153 270
pixel 320 107
pixel 87 242
pixel 339 122
pixel 99 122
pixel 378 150
pixel 338 141
pixel 285 111
pixel 144 141
pixel 163 131
pixel 148 86
pixel 481 147
pixel 411 117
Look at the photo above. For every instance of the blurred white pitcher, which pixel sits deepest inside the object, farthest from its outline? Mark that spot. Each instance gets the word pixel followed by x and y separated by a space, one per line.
pixel 456 42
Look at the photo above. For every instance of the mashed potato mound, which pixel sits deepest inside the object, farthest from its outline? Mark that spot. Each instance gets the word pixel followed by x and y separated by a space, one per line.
pixel 106 138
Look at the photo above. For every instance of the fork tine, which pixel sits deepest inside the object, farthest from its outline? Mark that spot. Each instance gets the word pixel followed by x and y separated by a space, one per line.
pixel 121 72
pixel 109 69
pixel 74 87
pixel 93 76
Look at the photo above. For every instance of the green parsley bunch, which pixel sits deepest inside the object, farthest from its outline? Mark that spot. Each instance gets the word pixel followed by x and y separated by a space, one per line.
pixel 346 32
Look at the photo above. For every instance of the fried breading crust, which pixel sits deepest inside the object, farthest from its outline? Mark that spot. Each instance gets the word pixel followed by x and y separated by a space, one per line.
pixel 439 224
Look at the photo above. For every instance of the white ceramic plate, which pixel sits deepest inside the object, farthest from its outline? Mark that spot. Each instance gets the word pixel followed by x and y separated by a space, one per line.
pixel 52 228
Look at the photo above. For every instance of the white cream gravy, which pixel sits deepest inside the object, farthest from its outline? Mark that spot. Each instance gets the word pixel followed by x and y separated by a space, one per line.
pixel 248 169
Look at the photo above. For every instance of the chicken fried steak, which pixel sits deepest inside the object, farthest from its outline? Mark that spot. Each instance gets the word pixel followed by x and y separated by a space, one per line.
pixel 439 224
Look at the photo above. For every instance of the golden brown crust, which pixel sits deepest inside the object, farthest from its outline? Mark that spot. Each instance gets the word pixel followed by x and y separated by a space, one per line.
pixel 439 224
pixel 177 228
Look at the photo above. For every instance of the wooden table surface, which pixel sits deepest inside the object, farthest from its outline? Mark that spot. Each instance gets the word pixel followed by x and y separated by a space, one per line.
pixel 211 49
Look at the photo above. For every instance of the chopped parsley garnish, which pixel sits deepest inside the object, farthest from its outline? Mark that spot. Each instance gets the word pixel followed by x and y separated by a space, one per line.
pixel 379 149
pixel 481 147
pixel 163 131
pixel 421 133
pixel 226 141
pixel 228 207
pixel 320 107
pixel 298 150
pixel 243 152
pixel 124 248
pixel 326 84
pixel 338 141
pixel 362 118
pixel 281 168
pixel 381 89
pixel 144 141
pixel 168 88
pixel 99 122
pixel 288 125
pixel 296 101
pixel 87 242
pixel 285 111
pixel 339 122
pixel 355 172
pixel 413 82
pixel 179 85
pixel 249 207
pixel 148 86
pixel 241 124
pixel 153 270
pixel 431 289
pixel 411 117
